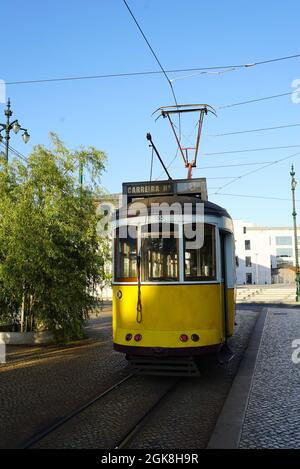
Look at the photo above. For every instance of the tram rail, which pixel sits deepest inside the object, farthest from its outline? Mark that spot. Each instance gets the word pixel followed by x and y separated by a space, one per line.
pixel 46 431
pixel 124 439
pixel 137 427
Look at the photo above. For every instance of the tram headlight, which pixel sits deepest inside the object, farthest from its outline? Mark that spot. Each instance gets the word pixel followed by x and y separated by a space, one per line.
pixel 138 337
pixel 128 337
pixel 195 337
pixel 183 338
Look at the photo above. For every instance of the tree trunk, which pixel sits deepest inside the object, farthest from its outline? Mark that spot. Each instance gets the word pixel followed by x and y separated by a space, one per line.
pixel 23 313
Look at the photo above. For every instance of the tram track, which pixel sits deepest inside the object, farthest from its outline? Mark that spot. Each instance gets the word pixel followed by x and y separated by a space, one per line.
pixel 46 431
pixel 136 428
pixel 125 437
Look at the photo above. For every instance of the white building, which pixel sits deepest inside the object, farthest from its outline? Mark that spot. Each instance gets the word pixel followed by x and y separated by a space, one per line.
pixel 264 255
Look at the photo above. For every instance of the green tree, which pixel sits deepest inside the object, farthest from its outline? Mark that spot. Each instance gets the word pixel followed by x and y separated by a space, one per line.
pixel 51 257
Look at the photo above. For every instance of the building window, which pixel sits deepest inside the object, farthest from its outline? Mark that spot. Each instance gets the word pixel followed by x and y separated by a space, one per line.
pixel 245 230
pixel 283 240
pixel 247 245
pixel 284 252
pixel 248 261
pixel 237 262
pixel 249 279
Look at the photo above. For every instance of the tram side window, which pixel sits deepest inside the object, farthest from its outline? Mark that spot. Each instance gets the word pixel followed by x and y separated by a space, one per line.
pixel 200 264
pixel 160 253
pixel 125 258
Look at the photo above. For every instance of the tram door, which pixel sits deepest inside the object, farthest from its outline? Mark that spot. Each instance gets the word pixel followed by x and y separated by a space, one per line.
pixel 224 240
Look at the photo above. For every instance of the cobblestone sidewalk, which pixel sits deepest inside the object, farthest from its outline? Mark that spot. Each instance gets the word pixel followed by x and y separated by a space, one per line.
pixel 272 417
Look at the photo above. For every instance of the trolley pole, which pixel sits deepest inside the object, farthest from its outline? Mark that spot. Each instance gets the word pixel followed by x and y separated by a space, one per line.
pixel 293 187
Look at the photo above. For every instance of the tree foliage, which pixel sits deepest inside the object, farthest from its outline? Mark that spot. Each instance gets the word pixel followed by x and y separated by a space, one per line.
pixel 50 255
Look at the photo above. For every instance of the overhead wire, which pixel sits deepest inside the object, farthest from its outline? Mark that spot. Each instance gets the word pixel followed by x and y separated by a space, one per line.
pixel 240 151
pixel 161 67
pixel 219 72
pixel 256 100
pixel 149 72
pixel 243 150
pixel 258 169
pixel 154 55
pixel 245 65
pixel 230 69
pixel 252 196
pixel 232 165
pixel 249 150
pixel 263 129
pixel 16 152
pixel 222 177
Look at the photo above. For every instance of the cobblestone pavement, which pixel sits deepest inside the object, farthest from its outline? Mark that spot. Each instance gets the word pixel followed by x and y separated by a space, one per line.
pixel 188 417
pixel 107 421
pixel 273 414
pixel 48 383
pixel 41 384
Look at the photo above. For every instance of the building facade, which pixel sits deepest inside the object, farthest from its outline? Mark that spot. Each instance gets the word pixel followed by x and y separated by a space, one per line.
pixel 264 255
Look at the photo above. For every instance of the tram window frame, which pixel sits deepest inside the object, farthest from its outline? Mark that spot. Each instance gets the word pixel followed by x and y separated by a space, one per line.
pixel 147 229
pixel 202 278
pixel 117 258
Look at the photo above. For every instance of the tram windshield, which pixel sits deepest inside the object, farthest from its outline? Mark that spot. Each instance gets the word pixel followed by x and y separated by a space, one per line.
pixel 126 256
pixel 200 264
pixel 160 252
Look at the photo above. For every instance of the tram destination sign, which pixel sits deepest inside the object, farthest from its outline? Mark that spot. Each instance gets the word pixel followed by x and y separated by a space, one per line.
pixel 168 187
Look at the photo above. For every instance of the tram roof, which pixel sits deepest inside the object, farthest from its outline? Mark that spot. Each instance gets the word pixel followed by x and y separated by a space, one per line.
pixel 209 207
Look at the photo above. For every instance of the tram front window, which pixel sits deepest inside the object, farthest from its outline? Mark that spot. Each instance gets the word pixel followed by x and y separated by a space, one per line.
pixel 125 262
pixel 200 264
pixel 160 253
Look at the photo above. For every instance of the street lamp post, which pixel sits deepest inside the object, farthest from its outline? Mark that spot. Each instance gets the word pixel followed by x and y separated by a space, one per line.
pixel 293 187
pixel 11 126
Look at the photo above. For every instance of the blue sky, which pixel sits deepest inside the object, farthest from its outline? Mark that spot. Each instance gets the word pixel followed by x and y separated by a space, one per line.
pixel 72 38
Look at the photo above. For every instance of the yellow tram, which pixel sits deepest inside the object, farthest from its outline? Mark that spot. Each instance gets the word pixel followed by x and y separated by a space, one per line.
pixel 172 299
